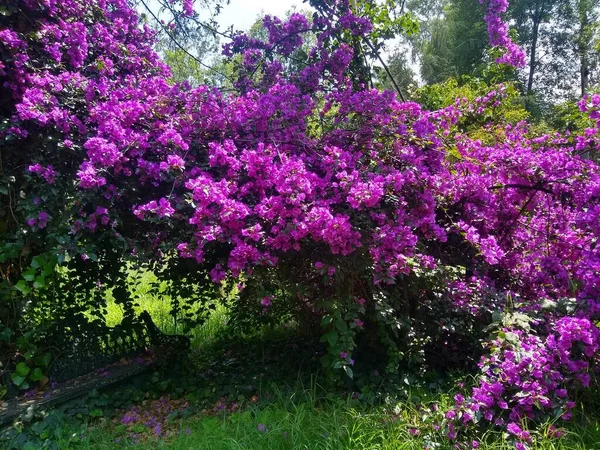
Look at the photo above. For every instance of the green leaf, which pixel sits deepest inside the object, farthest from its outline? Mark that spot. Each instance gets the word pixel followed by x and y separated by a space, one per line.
pixel 332 337
pixel 29 275
pixel 22 369
pixel 38 262
pixel 349 371
pixel 512 338
pixel 22 286
pixel 326 320
pixel 37 374
pixel 48 269
pixel 341 325
pixel 17 379
pixel 39 282
pixel 548 304
pixel 61 258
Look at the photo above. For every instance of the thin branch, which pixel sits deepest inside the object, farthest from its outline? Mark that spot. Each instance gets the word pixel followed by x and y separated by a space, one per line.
pixel 402 6
pixel 521 211
pixel 385 67
pixel 181 47
pixel 536 187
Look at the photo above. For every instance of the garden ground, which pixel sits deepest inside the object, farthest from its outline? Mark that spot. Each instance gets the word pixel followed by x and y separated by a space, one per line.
pixel 265 392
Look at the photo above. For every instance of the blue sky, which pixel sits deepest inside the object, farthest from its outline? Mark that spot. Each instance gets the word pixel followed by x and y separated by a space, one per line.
pixel 243 13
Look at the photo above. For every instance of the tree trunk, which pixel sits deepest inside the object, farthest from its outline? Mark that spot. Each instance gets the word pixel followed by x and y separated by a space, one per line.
pixel 537 19
pixel 584 37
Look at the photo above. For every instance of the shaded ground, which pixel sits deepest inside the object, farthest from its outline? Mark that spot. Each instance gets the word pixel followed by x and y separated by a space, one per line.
pixel 266 393
pixel 258 392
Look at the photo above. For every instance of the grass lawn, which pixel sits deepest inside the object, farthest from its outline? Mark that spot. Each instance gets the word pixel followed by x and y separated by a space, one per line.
pixel 297 423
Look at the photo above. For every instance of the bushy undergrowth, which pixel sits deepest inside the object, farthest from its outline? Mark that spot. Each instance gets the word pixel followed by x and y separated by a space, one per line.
pixel 247 393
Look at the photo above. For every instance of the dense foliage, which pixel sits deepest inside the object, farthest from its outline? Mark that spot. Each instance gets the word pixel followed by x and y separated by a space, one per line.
pixel 397 231
pixel 558 37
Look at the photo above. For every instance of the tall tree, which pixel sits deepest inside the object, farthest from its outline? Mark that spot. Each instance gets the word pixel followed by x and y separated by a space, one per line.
pixel 455 43
pixel 537 25
pixel 557 35
pixel 399 70
pixel 587 21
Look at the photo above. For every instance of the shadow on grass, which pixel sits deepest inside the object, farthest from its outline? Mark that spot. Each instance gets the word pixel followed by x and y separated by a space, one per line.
pixel 265 392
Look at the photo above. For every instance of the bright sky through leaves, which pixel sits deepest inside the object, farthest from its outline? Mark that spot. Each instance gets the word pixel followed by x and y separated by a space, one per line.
pixel 243 13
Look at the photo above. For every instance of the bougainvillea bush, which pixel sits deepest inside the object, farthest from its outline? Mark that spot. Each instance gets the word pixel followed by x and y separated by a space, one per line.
pixel 398 233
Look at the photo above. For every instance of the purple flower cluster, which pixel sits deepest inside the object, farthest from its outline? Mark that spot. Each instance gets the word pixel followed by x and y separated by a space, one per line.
pixel 498 32
pixel 526 377
pixel 47 173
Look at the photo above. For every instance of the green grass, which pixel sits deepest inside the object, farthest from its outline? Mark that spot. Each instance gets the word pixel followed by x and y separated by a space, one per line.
pixel 292 410
pixel 159 307
pixel 299 421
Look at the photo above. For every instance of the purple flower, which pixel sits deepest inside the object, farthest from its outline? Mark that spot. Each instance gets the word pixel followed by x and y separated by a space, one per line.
pixel 42 219
pixel 11 39
pixel 129 418
pixel 513 428
pixel 451 434
pixel 175 161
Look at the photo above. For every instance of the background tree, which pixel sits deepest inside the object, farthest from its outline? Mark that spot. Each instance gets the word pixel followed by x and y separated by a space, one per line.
pixel 399 70
pixel 588 12
pixel 189 41
pixel 453 44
